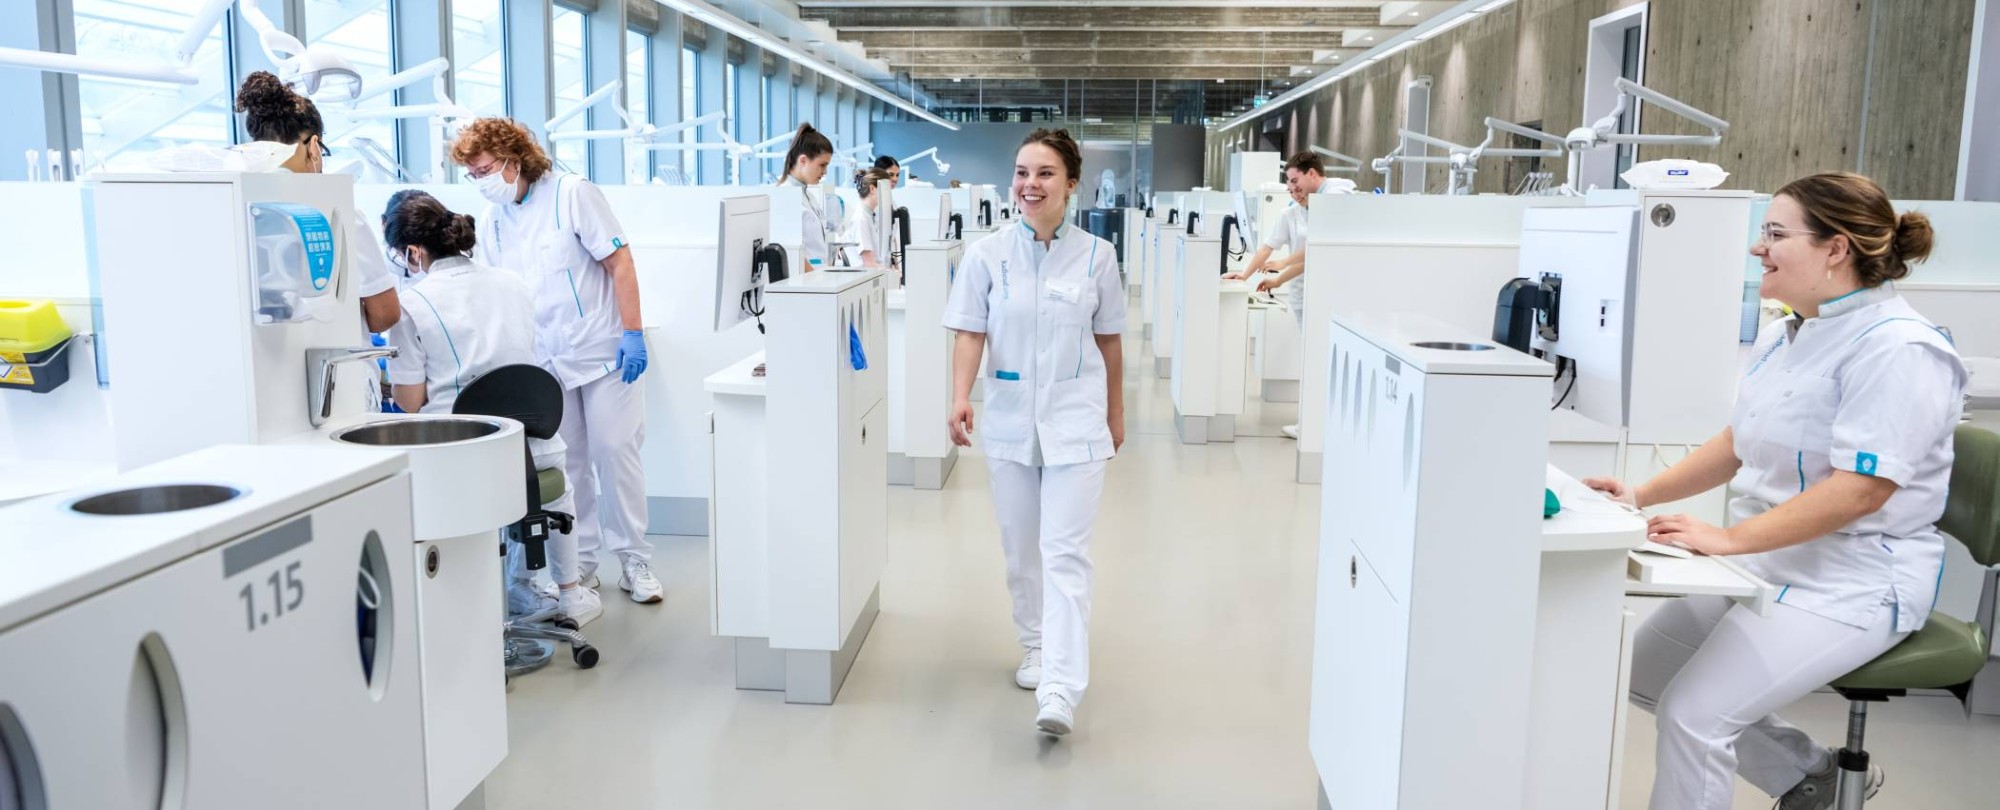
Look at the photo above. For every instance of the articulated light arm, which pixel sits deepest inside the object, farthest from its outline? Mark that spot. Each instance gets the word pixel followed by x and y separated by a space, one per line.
pixel 1604 131
pixel 1387 163
pixel 1496 125
pixel 1353 163
pixel 942 167
pixel 610 88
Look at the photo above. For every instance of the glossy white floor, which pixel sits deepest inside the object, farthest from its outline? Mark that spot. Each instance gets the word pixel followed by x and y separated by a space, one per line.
pixel 1201 651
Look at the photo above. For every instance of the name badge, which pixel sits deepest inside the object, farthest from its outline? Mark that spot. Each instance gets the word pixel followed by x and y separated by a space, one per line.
pixel 1066 292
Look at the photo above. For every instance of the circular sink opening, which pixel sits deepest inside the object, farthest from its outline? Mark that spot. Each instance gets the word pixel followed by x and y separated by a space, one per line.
pixel 156 500
pixel 412 432
pixel 1452 346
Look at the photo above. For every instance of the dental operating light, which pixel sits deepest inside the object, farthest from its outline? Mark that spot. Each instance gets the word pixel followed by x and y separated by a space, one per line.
pixel 1605 132
pixel 1353 164
pixel 311 69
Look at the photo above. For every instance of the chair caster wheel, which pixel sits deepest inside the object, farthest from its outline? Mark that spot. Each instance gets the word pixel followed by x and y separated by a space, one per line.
pixel 585 656
pixel 569 624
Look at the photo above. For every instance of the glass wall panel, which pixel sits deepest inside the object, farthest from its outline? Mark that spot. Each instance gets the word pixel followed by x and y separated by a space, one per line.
pixel 123 119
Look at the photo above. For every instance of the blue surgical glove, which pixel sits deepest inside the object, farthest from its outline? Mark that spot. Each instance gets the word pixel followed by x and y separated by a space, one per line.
pixel 632 354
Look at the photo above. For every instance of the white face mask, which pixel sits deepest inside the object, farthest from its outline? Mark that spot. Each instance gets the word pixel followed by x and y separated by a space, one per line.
pixel 264 156
pixel 495 188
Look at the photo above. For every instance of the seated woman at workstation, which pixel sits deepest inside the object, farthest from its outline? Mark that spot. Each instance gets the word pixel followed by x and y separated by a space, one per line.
pixel 1839 451
pixel 461 320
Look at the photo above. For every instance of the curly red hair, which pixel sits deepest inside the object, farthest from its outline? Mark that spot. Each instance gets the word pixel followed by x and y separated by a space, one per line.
pixel 505 139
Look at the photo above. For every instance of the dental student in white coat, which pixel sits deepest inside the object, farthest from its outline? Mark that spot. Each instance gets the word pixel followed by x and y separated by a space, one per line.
pixel 867 216
pixel 461 320
pixel 557 231
pixel 1042 300
pixel 805 167
pixel 1838 457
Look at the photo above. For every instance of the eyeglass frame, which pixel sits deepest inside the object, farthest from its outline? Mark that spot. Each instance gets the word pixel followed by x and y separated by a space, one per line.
pixel 1766 232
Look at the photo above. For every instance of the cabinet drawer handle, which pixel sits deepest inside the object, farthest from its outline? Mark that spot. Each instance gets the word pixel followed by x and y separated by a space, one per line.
pixel 1353 572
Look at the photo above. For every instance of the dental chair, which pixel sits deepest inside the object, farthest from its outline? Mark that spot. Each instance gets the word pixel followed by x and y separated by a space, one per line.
pixel 1947 652
pixel 532 396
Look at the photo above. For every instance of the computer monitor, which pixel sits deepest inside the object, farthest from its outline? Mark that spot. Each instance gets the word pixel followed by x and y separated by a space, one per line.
pixel 944 218
pixel 1581 263
pixel 745 260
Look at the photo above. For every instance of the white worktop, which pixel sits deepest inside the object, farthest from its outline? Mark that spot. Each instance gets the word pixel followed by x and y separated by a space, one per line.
pixel 1589 521
pixel 21 479
pixel 829 282
pixel 897 299
pixel 1398 333
pixel 1241 287
pixel 739 379
pixel 458 489
pixel 56 556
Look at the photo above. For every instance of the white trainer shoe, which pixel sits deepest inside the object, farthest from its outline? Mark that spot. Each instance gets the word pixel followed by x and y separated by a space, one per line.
pixel 1056 716
pixel 1029 675
pixel 582 605
pixel 525 599
pixel 638 580
pixel 1290 431
pixel 589 579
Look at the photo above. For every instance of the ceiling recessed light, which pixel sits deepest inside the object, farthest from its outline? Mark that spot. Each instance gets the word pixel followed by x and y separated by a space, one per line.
pixel 1367 39
pixel 1415 14
pixel 956 80
pixel 1218 81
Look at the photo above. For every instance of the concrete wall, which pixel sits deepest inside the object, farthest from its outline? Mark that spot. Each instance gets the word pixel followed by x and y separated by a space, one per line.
pixel 1876 86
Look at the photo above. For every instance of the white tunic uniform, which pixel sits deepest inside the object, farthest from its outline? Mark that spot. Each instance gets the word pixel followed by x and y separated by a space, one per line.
pixel 1044 427
pixel 861 226
pixel 1868 387
pixel 816 228
pixel 460 321
pixel 556 238
pixel 1289 233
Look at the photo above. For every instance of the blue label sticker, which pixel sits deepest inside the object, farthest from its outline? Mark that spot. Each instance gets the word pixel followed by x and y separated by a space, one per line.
pixel 1007 375
pixel 1677 172
pixel 1865 463
pixel 316 234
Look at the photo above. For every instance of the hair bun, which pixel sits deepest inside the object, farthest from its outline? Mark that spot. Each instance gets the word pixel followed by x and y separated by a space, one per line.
pixel 263 91
pixel 1914 237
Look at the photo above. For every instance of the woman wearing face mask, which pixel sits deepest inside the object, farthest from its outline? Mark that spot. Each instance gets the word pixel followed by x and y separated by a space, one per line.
pixel 1839 452
pixel 1042 301
pixel 557 232
pixel 289 136
pixel 861 227
pixel 805 167
pixel 464 320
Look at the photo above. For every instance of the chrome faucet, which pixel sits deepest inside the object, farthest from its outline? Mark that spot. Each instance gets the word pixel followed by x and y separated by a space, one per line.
pixel 320 365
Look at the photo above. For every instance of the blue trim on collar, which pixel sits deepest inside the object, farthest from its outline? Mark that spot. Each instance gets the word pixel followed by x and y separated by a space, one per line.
pixel 1857 299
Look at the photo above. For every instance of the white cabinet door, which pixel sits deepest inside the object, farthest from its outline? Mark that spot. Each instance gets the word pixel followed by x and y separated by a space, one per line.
pixel 1360 660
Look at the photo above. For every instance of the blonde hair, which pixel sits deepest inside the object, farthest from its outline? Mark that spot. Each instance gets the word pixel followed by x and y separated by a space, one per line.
pixel 1846 204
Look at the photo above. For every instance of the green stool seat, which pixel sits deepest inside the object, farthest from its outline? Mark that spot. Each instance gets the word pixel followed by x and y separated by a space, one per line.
pixel 1946 652
pixel 553 484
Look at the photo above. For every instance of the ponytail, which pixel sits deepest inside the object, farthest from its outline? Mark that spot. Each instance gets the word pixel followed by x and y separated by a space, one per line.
pixel 806 143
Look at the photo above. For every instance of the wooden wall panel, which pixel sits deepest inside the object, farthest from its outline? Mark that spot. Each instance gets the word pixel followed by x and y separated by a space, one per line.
pixel 1789 75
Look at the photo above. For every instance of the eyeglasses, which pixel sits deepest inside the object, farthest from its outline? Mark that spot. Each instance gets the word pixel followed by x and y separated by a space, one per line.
pixel 477 172
pixel 1770 233
pixel 398 259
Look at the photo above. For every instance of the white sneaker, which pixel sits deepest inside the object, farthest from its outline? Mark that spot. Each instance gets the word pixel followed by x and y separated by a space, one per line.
pixel 524 599
pixel 638 581
pixel 1029 675
pixel 582 605
pixel 589 579
pixel 1056 716
pixel 1290 431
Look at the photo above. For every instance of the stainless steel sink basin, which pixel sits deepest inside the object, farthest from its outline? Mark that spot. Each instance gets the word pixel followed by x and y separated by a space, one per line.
pixel 1452 346
pixel 156 500
pixel 414 432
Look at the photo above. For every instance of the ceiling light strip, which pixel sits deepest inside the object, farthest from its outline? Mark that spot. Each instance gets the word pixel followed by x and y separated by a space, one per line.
pixel 710 15
pixel 1450 18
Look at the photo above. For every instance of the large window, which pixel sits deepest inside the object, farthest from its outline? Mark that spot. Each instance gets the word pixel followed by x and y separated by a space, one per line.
pixel 572 83
pixel 123 120
pixel 479 56
pixel 639 97
pixel 358 30
pixel 732 101
pixel 690 102
pixel 772 109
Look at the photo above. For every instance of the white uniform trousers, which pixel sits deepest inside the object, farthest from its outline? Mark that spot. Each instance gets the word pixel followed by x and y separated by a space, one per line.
pixel 561 548
pixel 604 424
pixel 1045 521
pixel 1712 673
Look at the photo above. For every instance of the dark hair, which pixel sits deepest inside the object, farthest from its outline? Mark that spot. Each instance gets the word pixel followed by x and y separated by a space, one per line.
pixel 806 143
pixel 505 139
pixel 1884 244
pixel 422 221
pixel 865 180
pixel 396 201
pixel 272 112
pixel 1065 147
pixel 887 162
pixel 1305 162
